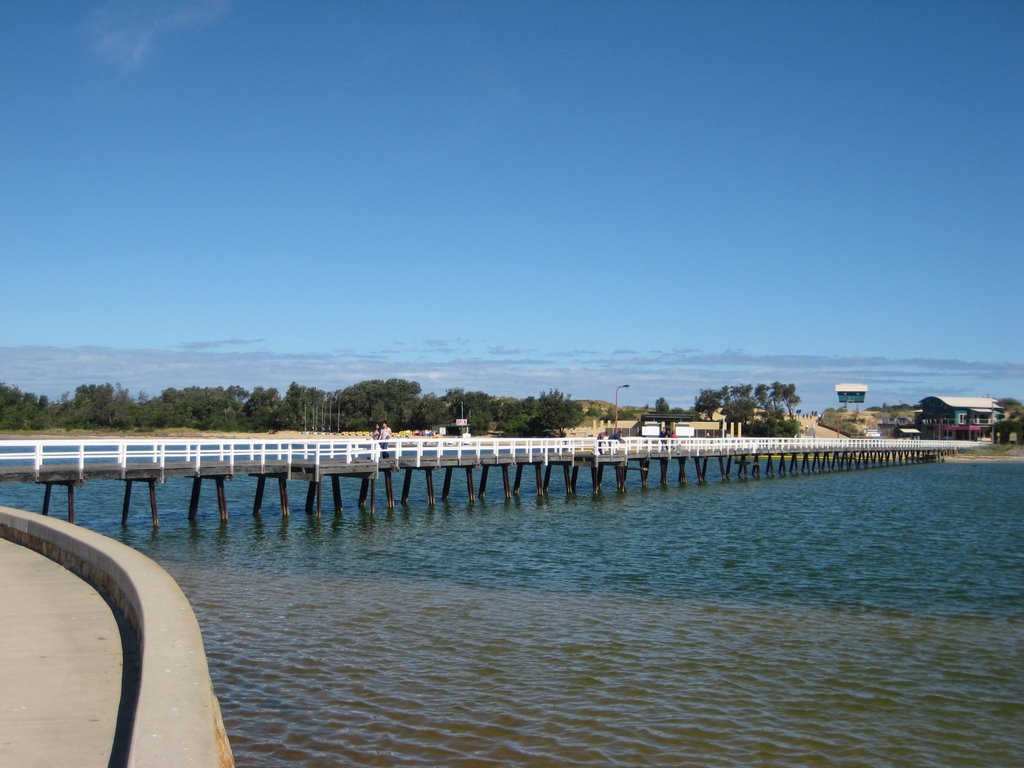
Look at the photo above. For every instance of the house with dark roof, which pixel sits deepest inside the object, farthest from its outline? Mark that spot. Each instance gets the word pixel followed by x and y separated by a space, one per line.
pixel 957 418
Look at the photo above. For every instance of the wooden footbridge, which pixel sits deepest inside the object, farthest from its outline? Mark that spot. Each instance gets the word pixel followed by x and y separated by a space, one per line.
pixel 70 463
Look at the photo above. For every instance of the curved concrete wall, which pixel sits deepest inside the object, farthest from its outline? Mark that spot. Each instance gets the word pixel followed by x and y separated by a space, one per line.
pixel 177 718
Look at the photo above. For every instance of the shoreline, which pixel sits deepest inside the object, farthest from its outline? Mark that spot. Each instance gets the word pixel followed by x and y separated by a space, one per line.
pixel 968 459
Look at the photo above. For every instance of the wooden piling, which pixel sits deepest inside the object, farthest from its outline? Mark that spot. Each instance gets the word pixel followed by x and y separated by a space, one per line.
pixel 193 501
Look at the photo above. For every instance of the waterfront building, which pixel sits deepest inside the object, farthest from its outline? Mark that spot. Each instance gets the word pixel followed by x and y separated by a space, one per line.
pixel 957 418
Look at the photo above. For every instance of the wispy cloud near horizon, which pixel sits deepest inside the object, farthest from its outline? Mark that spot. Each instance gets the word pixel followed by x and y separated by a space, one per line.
pixel 678 376
pixel 199 346
pixel 127 32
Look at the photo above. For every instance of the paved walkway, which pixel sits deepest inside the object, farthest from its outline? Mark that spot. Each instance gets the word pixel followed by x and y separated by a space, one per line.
pixel 60 666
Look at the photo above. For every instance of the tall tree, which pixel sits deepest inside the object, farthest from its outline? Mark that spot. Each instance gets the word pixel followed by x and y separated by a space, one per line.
pixel 477 407
pixel 429 412
pixel 709 401
pixel 556 412
pixel 262 410
pixel 787 396
pixel 302 407
pixel 739 404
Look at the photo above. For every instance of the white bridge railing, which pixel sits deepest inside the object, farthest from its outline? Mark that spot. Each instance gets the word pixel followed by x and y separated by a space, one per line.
pixel 410 452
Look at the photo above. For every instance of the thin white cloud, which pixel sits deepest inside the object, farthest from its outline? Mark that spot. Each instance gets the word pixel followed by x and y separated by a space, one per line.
pixel 127 32
pixel 676 376
pixel 199 346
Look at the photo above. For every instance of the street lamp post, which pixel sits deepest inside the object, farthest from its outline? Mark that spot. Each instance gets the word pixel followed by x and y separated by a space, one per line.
pixel 621 386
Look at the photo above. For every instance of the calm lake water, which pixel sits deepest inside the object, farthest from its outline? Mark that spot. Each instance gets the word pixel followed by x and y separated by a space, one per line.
pixel 860 618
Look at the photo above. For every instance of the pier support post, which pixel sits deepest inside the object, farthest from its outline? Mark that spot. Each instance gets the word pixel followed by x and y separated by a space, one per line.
pixel 336 492
pixel 257 502
pixel 193 501
pixel 127 502
pixel 406 483
pixel 152 503
pixel 430 485
pixel 505 481
pixel 484 471
pixel 312 497
pixel 222 498
pixel 71 496
pixel 389 489
pixel 282 487
pixel 447 485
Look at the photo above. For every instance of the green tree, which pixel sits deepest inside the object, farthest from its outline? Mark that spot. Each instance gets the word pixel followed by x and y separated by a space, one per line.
pixel 23 410
pixel 785 396
pixel 739 405
pixel 370 402
pixel 262 410
pixel 709 402
pixel 477 407
pixel 103 406
pixel 1007 427
pixel 556 412
pixel 774 425
pixel 429 412
pixel 302 406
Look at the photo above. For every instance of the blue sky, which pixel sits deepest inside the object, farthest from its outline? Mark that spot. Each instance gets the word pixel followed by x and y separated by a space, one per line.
pixel 514 196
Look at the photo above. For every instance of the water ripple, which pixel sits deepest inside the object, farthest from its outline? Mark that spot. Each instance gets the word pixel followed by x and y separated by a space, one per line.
pixel 853 619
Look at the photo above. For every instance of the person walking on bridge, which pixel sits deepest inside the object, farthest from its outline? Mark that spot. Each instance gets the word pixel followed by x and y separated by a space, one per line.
pixel 383 433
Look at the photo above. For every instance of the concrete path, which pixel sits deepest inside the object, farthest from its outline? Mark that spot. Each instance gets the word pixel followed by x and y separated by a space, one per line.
pixel 60 666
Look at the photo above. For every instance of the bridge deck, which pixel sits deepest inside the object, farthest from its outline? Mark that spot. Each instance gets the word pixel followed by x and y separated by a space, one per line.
pixel 70 463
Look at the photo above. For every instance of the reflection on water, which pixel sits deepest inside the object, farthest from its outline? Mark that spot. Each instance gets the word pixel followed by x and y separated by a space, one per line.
pixel 860 618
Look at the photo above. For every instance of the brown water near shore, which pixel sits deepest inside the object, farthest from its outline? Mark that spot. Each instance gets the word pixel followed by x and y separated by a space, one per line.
pixel 989 455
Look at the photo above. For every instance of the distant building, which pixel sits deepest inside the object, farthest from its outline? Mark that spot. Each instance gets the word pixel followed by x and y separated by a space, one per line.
pixel 851 393
pixel 957 418
pixel 899 427
pixel 677 425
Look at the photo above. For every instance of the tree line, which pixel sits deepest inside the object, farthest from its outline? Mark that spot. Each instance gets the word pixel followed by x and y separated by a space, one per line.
pixel 764 409
pixel 357 408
